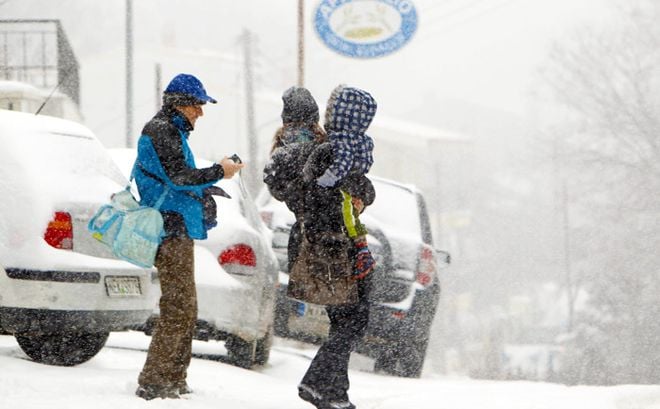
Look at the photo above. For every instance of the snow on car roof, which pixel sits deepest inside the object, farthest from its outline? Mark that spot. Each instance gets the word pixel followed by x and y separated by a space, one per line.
pixel 61 159
pixel 46 164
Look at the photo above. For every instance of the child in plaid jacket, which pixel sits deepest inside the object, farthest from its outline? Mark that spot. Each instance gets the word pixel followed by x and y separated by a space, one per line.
pixel 348 114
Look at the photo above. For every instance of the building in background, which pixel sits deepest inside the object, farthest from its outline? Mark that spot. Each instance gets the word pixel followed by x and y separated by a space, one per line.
pixel 438 162
pixel 20 96
pixel 37 64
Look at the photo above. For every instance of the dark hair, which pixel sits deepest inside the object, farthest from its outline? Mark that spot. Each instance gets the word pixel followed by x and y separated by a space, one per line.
pixel 319 134
pixel 175 99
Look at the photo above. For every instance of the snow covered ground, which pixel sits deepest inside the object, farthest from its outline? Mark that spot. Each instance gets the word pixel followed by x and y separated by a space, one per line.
pixel 109 381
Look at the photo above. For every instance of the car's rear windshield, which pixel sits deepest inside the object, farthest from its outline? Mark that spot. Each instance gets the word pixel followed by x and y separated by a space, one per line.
pixel 395 207
pixel 70 153
pixel 55 146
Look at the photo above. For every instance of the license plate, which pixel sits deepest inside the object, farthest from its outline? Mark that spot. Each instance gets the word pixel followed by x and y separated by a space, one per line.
pixel 310 310
pixel 315 311
pixel 309 319
pixel 122 286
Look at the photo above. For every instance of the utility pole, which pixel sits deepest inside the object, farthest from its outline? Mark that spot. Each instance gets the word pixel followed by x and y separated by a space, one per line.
pixel 159 86
pixel 301 43
pixel 129 73
pixel 571 291
pixel 250 116
pixel 571 286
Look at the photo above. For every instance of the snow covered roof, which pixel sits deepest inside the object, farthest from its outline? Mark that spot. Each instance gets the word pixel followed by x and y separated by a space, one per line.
pixel 387 127
pixel 18 89
pixel 384 127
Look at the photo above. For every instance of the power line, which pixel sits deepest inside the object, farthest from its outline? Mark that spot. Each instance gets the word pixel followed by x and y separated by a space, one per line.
pixel 470 18
pixel 458 10
pixel 436 5
pixel 114 119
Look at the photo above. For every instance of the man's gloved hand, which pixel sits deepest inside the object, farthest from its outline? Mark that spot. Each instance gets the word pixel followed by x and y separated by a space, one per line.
pixel 364 261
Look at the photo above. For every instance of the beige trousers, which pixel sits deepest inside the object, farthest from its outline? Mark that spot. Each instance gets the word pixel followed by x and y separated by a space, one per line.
pixel 170 349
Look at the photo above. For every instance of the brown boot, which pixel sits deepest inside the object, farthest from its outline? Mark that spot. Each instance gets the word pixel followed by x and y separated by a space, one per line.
pixel 149 392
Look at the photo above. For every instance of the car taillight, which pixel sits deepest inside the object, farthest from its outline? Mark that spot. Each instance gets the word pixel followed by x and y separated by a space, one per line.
pixel 399 314
pixel 241 254
pixel 426 266
pixel 59 232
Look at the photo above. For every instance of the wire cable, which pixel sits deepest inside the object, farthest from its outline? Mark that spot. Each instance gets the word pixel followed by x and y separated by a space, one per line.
pixel 433 33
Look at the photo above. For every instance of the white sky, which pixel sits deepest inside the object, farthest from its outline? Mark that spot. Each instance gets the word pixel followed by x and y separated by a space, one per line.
pixel 482 51
pixel 489 56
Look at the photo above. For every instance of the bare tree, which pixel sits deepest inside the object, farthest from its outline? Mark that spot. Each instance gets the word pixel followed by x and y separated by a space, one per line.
pixel 610 82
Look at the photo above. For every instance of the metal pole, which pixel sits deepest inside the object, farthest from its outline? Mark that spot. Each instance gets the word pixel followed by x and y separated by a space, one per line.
pixel 301 43
pixel 570 290
pixel 249 99
pixel 44 72
pixel 129 73
pixel 159 86
pixel 5 48
pixel 24 76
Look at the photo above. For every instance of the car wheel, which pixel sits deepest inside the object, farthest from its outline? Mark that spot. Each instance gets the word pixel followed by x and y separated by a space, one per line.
pixel 63 349
pixel 402 359
pixel 412 351
pixel 411 360
pixel 241 352
pixel 386 362
pixel 149 326
pixel 281 317
pixel 262 352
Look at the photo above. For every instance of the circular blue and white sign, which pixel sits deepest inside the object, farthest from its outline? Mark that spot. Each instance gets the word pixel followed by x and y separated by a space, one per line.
pixel 365 28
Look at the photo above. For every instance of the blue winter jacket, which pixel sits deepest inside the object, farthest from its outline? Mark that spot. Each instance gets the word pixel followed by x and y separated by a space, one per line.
pixel 166 165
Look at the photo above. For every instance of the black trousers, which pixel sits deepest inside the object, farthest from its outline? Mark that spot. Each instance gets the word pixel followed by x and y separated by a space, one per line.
pixel 328 372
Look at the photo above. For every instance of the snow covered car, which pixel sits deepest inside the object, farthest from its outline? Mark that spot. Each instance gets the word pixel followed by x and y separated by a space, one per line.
pixel 61 291
pixel 235 273
pixel 406 282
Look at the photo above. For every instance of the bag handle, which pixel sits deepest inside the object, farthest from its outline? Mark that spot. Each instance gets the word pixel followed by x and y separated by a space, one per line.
pixel 91 225
pixel 166 189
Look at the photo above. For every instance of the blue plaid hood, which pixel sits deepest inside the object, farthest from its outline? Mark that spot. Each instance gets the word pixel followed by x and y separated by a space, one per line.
pixel 349 110
pixel 348 115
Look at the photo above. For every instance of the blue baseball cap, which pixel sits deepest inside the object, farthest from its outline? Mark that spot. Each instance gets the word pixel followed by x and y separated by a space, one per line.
pixel 190 88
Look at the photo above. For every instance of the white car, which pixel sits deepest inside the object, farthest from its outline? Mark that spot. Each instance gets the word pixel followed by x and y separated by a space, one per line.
pixel 61 291
pixel 235 272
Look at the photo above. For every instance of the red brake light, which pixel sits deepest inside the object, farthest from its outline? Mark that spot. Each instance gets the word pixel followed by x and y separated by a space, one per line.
pixel 59 232
pixel 399 314
pixel 426 266
pixel 241 254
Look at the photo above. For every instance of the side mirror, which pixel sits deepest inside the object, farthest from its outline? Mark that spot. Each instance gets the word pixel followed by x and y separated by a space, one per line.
pixel 443 256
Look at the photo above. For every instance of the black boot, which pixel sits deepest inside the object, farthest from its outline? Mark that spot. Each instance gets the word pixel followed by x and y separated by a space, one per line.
pixel 313 396
pixel 337 404
pixel 309 394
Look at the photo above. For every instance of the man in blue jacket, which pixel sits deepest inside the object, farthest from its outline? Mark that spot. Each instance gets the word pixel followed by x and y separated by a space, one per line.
pixel 165 170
